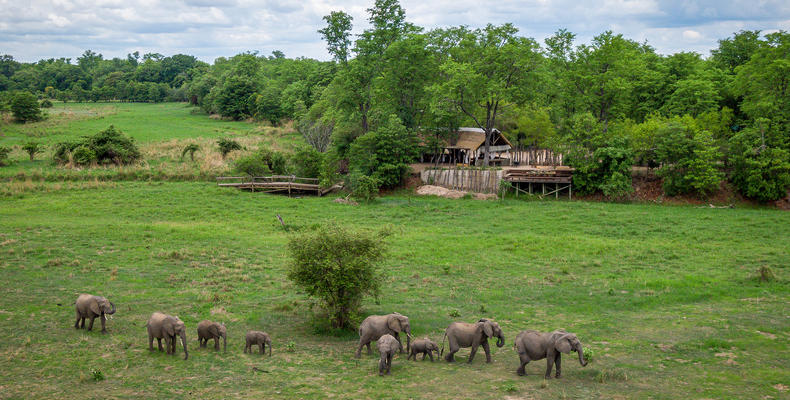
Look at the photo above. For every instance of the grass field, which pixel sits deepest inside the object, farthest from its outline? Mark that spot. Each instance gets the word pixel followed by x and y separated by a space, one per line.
pixel 161 130
pixel 666 297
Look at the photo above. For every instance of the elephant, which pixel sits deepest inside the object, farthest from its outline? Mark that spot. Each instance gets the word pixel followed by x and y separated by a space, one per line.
pixel 387 345
pixel 461 334
pixel 89 306
pixel 533 345
pixel 376 326
pixel 211 330
pixel 425 346
pixel 261 339
pixel 165 326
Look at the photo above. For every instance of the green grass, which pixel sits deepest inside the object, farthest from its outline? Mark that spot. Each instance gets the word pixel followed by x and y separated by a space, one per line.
pixel 161 130
pixel 666 297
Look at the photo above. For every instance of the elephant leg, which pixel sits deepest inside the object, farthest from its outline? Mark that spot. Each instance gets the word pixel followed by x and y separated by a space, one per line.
pixel 430 354
pixel 82 324
pixel 216 343
pixel 389 362
pixel 472 353
pixel 359 349
pixel 167 344
pixel 450 357
pixel 412 354
pixel 382 364
pixel 487 349
pixel 159 343
pixel 247 345
pixel 369 349
pixel 262 346
pixel 103 321
pixel 90 327
pixel 524 358
pixel 77 323
pixel 558 362
pixel 400 345
pixel 150 342
pixel 549 365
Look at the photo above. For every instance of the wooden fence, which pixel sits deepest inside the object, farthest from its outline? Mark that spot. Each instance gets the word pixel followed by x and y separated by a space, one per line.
pixel 467 179
pixel 536 157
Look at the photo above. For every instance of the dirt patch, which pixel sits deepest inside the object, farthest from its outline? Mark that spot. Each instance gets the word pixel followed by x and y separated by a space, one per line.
pixel 432 190
pixel 343 200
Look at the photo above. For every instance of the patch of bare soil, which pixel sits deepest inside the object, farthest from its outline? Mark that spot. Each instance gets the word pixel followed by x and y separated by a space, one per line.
pixel 432 190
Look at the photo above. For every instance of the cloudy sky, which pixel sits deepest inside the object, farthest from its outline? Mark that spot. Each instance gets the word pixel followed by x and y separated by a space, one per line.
pixel 34 29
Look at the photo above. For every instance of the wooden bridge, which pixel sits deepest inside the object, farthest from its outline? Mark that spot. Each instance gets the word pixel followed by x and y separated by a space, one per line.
pixel 274 184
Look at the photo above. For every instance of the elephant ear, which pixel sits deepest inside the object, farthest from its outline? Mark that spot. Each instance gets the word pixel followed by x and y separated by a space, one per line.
pixel 214 330
pixel 487 329
pixel 563 343
pixel 95 307
pixel 393 322
pixel 168 328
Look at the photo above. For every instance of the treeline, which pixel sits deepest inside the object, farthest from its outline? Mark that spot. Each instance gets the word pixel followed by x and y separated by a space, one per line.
pixel 397 90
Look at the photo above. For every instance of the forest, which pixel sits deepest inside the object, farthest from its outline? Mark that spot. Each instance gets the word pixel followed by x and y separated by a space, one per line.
pixel 396 89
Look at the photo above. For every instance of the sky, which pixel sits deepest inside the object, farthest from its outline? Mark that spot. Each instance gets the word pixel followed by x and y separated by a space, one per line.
pixel 31 30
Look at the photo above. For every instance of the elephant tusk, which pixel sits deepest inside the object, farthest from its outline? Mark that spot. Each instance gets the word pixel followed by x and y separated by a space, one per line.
pixel 182 341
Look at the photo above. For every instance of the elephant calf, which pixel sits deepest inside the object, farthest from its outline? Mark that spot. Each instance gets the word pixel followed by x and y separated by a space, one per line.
pixel 163 326
pixel 262 339
pixel 376 326
pixel 426 347
pixel 212 330
pixel 387 346
pixel 533 345
pixel 461 334
pixel 89 306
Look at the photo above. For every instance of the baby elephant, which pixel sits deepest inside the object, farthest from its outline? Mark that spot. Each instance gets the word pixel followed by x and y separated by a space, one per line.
pixel 89 306
pixel 424 346
pixel 261 339
pixel 212 330
pixel 533 345
pixel 387 346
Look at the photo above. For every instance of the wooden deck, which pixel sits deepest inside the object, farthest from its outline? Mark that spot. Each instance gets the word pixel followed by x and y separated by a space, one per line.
pixel 274 184
pixel 560 179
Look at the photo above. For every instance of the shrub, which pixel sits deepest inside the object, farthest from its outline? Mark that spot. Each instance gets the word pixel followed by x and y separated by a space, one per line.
pixel 308 162
pixel 25 107
pixel 191 149
pixel 688 159
pixel 759 171
pixel 32 148
pixel 338 267
pixel 227 145
pixel 62 151
pixel 4 152
pixel 384 154
pixel 252 165
pixel 84 155
pixel 363 187
pixel 46 103
pixel 607 169
pixel 107 146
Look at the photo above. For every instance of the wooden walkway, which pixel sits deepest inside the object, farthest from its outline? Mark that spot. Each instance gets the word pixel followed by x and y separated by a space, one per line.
pixel 274 184
pixel 560 178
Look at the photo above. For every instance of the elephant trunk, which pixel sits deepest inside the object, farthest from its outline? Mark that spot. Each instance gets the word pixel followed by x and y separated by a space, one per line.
pixel 408 341
pixel 184 342
pixel 582 361
pixel 500 340
pixel 113 309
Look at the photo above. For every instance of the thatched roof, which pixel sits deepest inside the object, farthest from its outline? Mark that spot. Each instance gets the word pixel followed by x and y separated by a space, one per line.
pixel 473 138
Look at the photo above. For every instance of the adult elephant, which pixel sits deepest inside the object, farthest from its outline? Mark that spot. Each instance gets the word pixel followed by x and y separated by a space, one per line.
pixel 163 326
pixel 90 306
pixel 376 326
pixel 533 345
pixel 462 334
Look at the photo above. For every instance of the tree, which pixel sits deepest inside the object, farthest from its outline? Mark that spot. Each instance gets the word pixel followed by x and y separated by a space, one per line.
pixel 25 107
pixel 384 154
pixel 688 158
pixel 191 149
pixel 32 148
pixel 227 145
pixel 486 69
pixel 760 171
pixel 336 34
pixel 338 267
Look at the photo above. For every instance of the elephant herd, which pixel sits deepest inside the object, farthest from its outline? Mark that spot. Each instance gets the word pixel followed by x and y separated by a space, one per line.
pixel 384 329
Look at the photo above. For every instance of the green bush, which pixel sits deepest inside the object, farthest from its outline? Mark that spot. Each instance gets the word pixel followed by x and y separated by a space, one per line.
pixel 25 107
pixel 84 155
pixel 46 103
pixel 62 151
pixel 109 146
pixel 688 159
pixel 338 267
pixel 384 154
pixel 252 165
pixel 32 148
pixel 308 162
pixel 759 172
pixel 227 145
pixel 364 187
pixel 607 169
pixel 4 152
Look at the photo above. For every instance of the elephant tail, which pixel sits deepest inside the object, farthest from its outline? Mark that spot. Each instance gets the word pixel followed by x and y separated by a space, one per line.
pixel 445 337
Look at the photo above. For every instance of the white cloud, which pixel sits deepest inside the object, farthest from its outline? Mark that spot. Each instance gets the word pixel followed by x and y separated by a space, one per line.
pixel 35 29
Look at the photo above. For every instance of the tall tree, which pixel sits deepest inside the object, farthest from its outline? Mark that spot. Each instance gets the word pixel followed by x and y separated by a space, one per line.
pixel 337 34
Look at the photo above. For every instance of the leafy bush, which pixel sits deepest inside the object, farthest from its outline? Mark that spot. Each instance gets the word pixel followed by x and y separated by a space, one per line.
pixel 364 187
pixel 46 103
pixel 4 152
pixel 759 171
pixel 688 159
pixel 253 165
pixel 227 145
pixel 308 162
pixel 109 146
pixel 25 107
pixel 32 148
pixel 607 169
pixel 384 154
pixel 338 267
